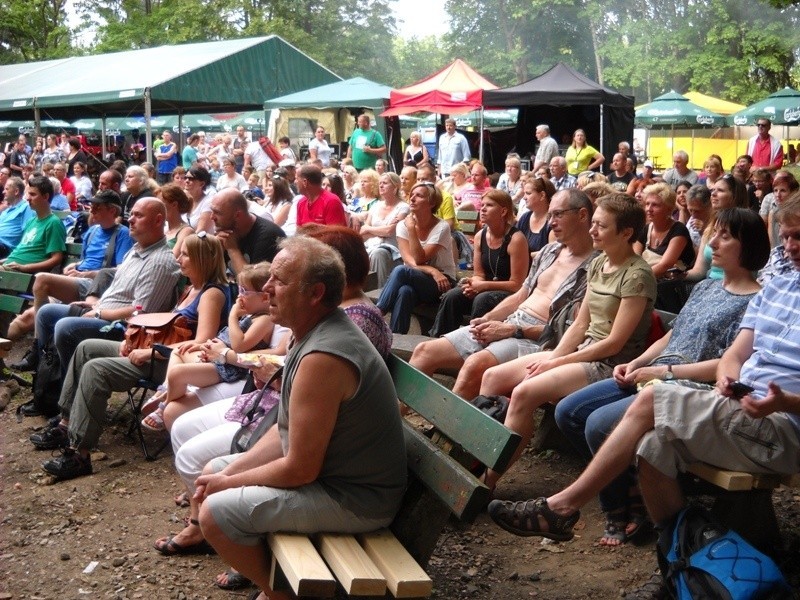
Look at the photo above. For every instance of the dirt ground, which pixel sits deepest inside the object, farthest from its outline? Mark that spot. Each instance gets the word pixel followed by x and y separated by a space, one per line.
pixel 51 534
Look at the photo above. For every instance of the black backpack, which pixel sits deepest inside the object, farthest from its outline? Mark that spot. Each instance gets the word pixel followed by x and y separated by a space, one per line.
pixel 703 560
pixel 47 381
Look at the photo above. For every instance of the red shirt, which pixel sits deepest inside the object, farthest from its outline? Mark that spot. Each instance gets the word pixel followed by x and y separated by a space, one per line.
pixel 327 209
pixel 762 153
pixel 67 187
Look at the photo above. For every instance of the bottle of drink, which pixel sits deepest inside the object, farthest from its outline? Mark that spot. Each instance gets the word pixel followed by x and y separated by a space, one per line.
pixel 138 309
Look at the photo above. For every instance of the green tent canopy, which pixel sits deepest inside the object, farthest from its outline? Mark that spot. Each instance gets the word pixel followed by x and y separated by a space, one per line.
pixel 782 108
pixel 674 110
pixel 350 93
pixel 232 75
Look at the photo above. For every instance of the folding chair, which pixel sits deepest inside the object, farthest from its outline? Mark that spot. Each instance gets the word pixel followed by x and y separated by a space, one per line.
pixel 137 396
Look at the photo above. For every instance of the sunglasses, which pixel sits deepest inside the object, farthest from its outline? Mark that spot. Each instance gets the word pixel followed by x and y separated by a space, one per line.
pixel 243 291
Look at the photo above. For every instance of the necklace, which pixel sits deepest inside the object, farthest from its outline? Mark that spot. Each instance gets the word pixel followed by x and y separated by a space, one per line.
pixel 499 251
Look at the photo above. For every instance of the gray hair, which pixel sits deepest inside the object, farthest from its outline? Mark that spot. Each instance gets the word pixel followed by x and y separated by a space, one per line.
pixel 577 199
pixel 683 154
pixel 56 185
pixel 543 127
pixel 17 183
pixel 319 263
pixel 139 173
pixel 700 193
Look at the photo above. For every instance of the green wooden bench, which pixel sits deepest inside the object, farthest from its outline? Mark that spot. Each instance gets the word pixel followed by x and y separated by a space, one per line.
pixel 15 291
pixel 441 486
pixel 469 221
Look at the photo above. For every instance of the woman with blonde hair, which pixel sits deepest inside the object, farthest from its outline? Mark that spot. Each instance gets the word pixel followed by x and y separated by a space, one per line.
pixel 379 228
pixel 178 204
pixel 501 263
pixel 416 153
pixel 457 182
pixel 665 243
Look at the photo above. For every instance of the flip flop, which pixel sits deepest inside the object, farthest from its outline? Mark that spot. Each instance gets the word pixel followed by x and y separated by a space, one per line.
pixel 170 547
pixel 235 581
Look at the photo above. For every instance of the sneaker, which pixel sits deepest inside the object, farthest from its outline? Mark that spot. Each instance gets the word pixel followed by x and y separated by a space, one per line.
pixel 653 589
pixel 52 437
pixel 69 465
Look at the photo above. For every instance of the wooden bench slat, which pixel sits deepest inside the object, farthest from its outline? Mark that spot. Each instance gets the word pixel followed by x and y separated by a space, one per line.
pixel 358 575
pixel 733 481
pixel 404 577
pixel 486 439
pixel 458 489
pixel 13 281
pixel 12 304
pixel 302 566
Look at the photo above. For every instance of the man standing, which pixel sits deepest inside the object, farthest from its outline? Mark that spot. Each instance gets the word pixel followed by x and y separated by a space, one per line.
pixel 14 218
pixel 559 176
pixel 366 145
pixel 167 157
pixel 680 170
pixel 620 176
pixel 255 157
pixel 239 146
pixel 317 205
pixel 247 239
pixel 548 147
pixel 765 149
pixel 335 460
pixel 453 149
pixel 18 158
pixel 43 241
pixel 555 285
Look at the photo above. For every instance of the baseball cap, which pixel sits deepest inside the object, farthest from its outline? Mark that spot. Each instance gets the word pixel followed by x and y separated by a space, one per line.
pixel 648 163
pixel 107 197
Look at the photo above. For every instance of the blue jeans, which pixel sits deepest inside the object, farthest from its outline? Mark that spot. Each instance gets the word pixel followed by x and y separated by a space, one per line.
pixel 405 288
pixel 586 418
pixel 53 322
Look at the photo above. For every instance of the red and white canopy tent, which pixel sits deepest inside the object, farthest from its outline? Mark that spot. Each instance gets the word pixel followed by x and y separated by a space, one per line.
pixel 455 89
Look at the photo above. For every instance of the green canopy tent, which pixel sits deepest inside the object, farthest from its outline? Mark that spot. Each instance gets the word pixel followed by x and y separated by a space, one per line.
pixel 347 98
pixel 782 108
pixel 673 110
pixel 231 75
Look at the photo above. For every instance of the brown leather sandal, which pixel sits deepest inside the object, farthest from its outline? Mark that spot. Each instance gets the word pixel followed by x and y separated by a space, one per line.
pixel 522 518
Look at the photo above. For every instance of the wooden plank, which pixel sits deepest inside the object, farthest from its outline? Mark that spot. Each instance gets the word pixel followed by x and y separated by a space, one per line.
pixel 13 281
pixel 302 566
pixel 484 438
pixel 12 304
pixel 404 577
pixel 353 568
pixel 733 481
pixel 791 480
pixel 451 483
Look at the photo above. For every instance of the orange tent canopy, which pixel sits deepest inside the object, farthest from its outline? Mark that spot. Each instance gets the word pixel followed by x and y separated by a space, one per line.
pixel 456 89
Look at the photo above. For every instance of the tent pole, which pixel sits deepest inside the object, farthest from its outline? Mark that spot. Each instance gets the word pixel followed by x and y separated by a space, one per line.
pixel 37 122
pixel 104 138
pixel 602 132
pixel 148 126
pixel 480 147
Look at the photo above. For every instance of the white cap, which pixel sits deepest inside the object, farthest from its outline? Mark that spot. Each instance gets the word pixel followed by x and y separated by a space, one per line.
pixel 648 163
pixel 286 162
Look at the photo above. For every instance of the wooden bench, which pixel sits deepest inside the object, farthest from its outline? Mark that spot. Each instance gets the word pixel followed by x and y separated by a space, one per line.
pixel 440 486
pixel 742 501
pixel 15 291
pixel 469 222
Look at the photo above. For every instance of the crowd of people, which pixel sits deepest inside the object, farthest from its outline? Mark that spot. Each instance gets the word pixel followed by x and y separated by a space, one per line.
pixel 265 258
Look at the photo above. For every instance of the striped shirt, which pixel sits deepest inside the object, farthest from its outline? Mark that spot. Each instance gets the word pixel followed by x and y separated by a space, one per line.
pixel 774 318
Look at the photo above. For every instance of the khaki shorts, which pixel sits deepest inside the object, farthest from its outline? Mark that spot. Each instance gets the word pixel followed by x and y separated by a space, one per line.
pixel 700 425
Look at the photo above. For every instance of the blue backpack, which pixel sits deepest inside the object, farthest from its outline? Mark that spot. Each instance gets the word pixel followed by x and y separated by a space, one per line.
pixel 703 560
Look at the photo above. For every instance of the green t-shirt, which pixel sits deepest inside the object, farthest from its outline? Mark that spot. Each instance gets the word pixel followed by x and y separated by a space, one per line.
pixel 40 238
pixel 358 141
pixel 189 157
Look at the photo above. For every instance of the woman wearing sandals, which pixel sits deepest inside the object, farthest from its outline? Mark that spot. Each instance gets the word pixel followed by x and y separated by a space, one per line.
pixel 690 352
pixel 610 328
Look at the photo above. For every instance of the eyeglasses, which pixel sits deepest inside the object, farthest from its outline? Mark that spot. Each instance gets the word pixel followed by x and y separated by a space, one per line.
pixel 762 124
pixel 558 214
pixel 189 178
pixel 243 291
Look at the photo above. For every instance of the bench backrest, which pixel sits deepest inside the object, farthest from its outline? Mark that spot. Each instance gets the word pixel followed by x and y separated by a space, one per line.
pixel 14 290
pixel 477 435
pixel 469 222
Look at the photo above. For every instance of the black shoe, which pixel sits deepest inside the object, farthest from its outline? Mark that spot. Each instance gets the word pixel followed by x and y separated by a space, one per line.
pixel 29 409
pixel 30 361
pixel 51 438
pixel 69 465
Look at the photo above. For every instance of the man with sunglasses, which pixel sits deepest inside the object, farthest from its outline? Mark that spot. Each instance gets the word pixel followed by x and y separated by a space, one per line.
pixel 766 149
pixel 552 292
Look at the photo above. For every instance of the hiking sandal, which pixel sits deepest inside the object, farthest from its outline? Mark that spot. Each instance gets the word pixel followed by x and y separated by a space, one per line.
pixel 522 518
pixel 638 520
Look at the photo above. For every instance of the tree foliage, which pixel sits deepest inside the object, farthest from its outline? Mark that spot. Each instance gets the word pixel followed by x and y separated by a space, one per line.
pixel 33 30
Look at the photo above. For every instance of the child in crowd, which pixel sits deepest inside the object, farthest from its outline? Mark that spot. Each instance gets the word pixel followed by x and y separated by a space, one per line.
pixel 249 328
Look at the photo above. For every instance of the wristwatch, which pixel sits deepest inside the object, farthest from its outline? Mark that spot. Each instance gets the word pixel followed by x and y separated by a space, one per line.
pixel 669 375
pixel 222 358
pixel 519 334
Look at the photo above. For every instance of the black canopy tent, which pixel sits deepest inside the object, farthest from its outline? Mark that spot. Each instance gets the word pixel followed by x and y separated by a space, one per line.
pixel 565 100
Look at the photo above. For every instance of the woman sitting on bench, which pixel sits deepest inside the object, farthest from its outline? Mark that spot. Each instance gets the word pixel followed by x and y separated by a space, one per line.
pixel 703 330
